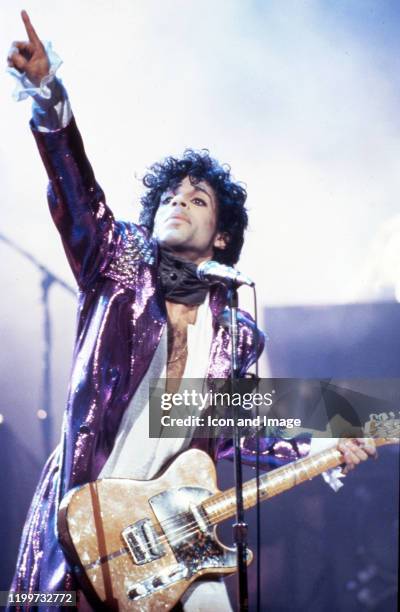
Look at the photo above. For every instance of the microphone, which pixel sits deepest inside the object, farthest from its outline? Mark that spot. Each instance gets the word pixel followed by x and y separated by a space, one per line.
pixel 214 272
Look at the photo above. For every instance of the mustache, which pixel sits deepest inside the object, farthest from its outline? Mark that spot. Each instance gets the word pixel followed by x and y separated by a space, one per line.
pixel 178 216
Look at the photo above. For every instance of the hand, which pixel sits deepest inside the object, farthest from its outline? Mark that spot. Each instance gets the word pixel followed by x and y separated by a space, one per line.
pixel 29 57
pixel 356 450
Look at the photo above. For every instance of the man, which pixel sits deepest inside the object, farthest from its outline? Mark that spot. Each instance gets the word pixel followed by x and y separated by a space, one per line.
pixel 142 314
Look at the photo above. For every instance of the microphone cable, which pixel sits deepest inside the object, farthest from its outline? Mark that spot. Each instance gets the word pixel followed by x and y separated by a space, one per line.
pixel 258 500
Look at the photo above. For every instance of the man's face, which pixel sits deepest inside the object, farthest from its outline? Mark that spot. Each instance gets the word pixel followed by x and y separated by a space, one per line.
pixel 186 221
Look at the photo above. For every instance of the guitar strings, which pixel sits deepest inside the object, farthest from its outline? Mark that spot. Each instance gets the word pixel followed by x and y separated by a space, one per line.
pixel 192 527
pixel 174 537
pixel 291 469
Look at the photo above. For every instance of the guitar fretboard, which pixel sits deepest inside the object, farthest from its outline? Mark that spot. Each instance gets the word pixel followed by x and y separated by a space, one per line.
pixel 223 505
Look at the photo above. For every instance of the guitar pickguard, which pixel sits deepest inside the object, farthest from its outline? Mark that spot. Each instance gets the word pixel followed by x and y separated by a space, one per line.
pixel 189 535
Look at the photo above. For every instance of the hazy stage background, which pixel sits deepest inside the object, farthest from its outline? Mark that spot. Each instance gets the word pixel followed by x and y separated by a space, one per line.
pixel 302 99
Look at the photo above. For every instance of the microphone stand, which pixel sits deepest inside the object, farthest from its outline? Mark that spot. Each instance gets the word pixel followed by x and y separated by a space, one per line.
pixel 48 280
pixel 240 527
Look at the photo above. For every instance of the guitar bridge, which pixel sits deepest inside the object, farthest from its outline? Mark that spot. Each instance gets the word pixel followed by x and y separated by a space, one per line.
pixel 143 542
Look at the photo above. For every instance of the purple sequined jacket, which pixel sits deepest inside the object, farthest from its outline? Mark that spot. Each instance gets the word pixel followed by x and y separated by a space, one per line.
pixel 121 318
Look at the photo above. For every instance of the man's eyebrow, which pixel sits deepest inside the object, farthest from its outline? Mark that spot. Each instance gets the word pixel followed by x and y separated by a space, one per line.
pixel 200 188
pixel 167 193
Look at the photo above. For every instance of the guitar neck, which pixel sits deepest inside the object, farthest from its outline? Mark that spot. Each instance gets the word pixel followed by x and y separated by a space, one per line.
pixel 222 505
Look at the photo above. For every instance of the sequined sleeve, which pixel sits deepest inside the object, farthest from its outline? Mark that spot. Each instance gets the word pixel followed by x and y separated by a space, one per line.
pixel 77 203
pixel 273 452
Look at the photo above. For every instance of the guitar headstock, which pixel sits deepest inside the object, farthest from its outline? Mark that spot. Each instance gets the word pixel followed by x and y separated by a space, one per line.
pixel 384 426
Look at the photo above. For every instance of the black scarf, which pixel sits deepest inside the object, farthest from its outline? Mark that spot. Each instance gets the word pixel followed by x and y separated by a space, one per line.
pixel 179 279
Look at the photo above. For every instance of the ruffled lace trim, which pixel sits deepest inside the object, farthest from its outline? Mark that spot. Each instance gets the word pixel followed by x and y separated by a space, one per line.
pixel 333 476
pixel 25 88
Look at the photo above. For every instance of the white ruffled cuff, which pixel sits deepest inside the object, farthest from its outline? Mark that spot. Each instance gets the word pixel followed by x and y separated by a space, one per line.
pixel 333 476
pixel 25 88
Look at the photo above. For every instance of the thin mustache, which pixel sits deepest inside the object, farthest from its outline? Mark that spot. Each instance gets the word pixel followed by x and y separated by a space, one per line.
pixel 178 216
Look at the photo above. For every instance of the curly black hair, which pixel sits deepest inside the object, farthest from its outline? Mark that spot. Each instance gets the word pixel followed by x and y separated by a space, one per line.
pixel 199 165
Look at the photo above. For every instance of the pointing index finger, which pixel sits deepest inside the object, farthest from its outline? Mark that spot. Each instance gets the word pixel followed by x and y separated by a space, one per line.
pixel 30 30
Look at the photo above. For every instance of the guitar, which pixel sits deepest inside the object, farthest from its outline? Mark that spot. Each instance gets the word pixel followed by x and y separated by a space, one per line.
pixel 140 544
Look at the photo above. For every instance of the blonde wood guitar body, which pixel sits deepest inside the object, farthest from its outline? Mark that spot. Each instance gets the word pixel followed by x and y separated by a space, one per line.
pixel 142 543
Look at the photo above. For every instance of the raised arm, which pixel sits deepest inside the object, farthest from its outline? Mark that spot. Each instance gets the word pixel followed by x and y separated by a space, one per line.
pixel 76 201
